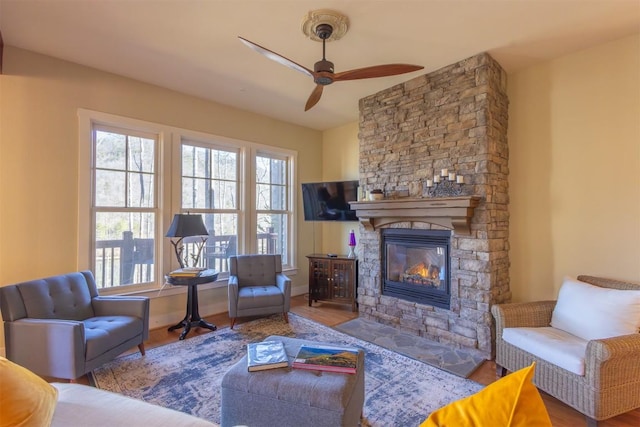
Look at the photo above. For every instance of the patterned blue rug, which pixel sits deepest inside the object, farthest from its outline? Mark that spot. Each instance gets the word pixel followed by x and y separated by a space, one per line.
pixel 186 375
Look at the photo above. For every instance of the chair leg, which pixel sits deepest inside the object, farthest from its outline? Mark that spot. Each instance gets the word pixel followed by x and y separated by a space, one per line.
pixel 500 371
pixel 233 322
pixel 141 348
pixel 591 422
pixel 285 315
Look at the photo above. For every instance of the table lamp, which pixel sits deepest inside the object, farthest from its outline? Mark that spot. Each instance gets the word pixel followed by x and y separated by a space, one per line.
pixel 185 225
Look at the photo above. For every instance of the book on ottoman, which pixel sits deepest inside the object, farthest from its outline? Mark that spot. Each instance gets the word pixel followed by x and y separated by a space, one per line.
pixel 327 358
pixel 266 355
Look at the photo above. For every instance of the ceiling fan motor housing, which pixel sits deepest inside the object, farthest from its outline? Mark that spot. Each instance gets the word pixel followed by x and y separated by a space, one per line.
pixel 323 66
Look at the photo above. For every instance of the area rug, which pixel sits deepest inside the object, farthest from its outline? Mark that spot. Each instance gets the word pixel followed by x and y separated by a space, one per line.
pixel 186 375
pixel 458 362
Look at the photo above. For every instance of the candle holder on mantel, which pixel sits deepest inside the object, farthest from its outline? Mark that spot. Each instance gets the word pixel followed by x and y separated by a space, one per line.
pixel 447 184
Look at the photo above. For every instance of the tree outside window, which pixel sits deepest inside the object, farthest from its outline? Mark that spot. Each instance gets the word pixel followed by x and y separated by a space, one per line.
pixel 124 208
pixel 272 205
pixel 210 187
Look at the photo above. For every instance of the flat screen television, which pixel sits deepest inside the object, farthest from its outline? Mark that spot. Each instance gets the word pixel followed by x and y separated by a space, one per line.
pixel 329 201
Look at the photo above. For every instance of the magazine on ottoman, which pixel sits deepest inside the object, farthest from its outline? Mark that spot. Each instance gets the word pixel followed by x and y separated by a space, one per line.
pixel 327 358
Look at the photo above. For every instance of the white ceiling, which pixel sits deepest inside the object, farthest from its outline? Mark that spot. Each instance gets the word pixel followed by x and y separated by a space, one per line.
pixel 192 46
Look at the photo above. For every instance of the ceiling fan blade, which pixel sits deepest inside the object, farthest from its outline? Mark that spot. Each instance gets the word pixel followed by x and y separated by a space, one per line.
pixel 276 57
pixel 376 71
pixel 314 97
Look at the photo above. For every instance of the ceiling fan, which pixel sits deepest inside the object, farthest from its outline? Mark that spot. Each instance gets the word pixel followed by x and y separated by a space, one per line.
pixel 323 73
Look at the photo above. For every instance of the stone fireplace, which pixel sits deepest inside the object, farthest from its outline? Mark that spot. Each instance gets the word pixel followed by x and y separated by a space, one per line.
pixel 453 118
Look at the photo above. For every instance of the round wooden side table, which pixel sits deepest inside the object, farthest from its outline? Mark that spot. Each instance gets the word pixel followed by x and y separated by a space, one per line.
pixel 192 318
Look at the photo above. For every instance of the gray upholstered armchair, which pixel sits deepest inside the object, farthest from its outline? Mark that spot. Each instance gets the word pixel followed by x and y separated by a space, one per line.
pixel 60 327
pixel 258 287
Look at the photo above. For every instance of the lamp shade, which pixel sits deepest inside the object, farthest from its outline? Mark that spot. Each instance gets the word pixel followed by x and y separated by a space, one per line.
pixel 184 225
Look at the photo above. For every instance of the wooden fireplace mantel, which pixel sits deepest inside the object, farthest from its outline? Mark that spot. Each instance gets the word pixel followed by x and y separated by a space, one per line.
pixel 449 212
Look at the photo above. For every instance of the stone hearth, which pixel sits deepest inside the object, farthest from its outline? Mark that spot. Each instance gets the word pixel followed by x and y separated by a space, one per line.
pixel 454 118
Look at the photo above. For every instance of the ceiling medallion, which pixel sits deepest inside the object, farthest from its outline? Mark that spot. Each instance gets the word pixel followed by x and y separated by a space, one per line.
pixel 339 23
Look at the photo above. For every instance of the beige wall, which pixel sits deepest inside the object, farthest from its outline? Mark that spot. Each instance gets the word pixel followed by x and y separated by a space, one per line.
pixel 574 137
pixel 39 99
pixel 339 162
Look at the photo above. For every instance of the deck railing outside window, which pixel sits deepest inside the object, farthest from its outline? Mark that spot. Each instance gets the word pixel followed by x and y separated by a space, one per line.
pixel 128 260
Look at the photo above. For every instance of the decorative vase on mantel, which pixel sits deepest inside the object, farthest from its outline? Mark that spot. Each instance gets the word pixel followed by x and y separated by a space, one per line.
pixel 352 244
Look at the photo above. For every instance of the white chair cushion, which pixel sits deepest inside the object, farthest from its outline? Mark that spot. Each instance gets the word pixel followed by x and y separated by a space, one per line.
pixel 553 345
pixel 591 312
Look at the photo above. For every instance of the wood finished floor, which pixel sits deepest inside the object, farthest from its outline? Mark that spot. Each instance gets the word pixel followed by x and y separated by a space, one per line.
pixel 330 314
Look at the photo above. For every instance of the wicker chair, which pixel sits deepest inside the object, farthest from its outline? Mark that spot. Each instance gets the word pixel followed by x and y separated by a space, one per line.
pixel 611 383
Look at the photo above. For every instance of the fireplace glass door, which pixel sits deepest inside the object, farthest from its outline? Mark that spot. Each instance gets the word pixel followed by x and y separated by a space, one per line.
pixel 416 265
pixel 421 266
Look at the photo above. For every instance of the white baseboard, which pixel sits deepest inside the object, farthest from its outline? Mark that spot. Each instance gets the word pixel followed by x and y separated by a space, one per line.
pixel 220 306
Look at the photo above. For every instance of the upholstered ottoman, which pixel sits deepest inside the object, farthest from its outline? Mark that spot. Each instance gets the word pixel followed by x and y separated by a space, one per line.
pixel 291 397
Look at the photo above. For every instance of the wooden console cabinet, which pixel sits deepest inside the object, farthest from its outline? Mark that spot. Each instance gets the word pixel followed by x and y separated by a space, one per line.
pixel 333 279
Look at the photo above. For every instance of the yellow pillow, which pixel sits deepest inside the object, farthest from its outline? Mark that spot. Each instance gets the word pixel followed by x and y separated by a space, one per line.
pixel 512 401
pixel 26 400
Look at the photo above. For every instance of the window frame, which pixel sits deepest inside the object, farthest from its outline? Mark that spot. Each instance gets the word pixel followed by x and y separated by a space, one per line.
pixel 127 208
pixel 209 144
pixel 168 191
pixel 287 261
pixel 87 121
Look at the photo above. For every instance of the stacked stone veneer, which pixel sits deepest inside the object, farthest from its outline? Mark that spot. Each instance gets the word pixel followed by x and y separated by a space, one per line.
pixel 454 118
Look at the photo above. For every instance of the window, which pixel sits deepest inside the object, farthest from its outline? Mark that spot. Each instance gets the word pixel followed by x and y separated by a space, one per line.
pixel 124 208
pixel 135 175
pixel 273 215
pixel 210 187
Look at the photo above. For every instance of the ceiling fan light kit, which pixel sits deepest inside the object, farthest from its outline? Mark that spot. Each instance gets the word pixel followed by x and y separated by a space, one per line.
pixel 325 25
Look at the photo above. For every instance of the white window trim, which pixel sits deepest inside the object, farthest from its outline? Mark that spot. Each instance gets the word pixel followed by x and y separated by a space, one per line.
pixel 169 189
pixel 86 120
pixel 291 197
pixel 208 141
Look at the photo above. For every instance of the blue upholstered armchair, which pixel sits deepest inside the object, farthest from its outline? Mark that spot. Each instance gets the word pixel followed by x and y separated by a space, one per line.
pixel 60 327
pixel 257 287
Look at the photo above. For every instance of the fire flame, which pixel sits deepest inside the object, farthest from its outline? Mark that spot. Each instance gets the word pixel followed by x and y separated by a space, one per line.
pixel 430 272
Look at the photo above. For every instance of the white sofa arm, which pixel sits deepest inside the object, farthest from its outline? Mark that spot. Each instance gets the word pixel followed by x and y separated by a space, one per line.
pixel 81 405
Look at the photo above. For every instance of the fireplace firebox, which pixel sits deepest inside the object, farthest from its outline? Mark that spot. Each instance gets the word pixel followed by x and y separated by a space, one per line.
pixel 416 265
